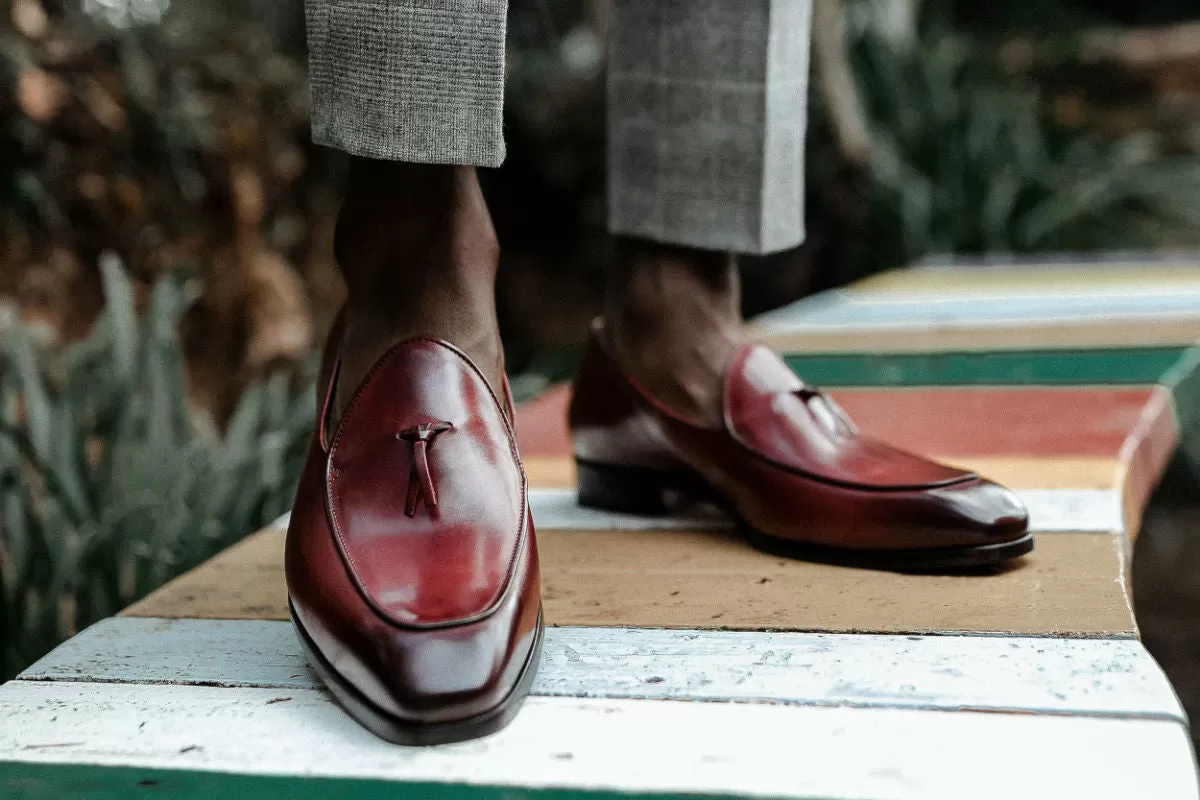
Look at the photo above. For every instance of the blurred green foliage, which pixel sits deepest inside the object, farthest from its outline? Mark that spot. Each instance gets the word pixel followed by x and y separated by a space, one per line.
pixel 967 160
pixel 108 484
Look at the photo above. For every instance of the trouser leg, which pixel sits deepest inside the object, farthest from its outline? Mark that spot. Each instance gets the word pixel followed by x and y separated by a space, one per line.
pixel 409 80
pixel 707 118
pixel 413 90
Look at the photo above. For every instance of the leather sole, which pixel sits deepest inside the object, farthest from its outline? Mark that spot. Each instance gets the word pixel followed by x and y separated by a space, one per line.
pixel 412 734
pixel 648 492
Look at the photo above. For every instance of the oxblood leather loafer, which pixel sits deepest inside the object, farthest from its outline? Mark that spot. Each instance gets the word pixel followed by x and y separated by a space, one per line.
pixel 791 467
pixel 411 563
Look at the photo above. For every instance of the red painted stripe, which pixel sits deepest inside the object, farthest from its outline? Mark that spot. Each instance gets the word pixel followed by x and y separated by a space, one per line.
pixel 542 424
pixel 1146 455
pixel 1074 421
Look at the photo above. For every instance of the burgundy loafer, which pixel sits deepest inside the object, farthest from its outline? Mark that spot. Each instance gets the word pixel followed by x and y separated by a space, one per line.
pixel 791 467
pixel 411 563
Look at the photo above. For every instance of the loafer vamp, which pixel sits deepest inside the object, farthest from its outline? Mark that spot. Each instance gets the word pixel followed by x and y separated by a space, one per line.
pixel 446 558
pixel 411 561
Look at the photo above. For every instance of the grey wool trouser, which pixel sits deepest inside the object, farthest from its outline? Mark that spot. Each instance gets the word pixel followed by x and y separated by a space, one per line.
pixel 707 105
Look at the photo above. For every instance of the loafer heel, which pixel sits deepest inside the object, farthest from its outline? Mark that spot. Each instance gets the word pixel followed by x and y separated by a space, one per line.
pixel 626 490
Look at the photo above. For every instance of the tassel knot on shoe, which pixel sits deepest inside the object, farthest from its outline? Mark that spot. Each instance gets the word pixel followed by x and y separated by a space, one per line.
pixel 420 481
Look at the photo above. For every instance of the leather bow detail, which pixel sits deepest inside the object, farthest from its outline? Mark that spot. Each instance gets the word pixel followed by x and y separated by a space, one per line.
pixel 420 481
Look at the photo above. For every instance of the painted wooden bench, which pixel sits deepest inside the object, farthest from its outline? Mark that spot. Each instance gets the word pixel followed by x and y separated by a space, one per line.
pixel 683 663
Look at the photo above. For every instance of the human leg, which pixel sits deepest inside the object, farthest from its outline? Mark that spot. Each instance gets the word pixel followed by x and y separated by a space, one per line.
pixel 410 560
pixel 706 157
pixel 414 93
pixel 707 119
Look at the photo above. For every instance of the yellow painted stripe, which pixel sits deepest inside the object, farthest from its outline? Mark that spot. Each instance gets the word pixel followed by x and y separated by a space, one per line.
pixel 1072 585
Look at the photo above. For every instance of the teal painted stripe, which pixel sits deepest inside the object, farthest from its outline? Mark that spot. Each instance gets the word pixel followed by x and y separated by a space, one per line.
pixel 20 781
pixel 1121 366
pixel 1184 383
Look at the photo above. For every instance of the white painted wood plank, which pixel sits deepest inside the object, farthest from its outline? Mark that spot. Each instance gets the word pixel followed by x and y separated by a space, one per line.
pixel 620 745
pixel 1027 675
pixel 1050 511
pixel 558 509
pixel 199 652
pixel 1073 510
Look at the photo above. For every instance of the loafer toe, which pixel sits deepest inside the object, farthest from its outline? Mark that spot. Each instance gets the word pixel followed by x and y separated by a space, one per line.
pixel 987 508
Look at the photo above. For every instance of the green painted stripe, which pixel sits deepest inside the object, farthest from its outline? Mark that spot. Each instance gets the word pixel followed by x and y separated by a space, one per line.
pixel 1184 383
pixel 20 781
pixel 1121 366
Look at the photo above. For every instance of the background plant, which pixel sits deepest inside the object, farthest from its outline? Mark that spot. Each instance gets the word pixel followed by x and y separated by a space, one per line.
pixel 109 485
pixel 965 159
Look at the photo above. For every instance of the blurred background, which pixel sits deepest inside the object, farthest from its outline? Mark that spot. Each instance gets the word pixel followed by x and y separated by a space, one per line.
pixel 165 241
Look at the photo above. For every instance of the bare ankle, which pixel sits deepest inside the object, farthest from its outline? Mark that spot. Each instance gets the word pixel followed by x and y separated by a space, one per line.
pixel 673 319
pixel 418 252
pixel 406 228
pixel 649 278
